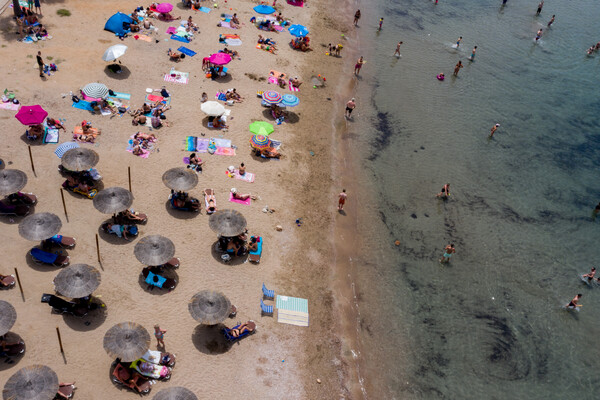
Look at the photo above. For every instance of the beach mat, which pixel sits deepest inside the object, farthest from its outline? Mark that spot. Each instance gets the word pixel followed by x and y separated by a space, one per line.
pixel 171 30
pixel 10 106
pixel 124 96
pixel 244 202
pixel 182 79
pixel 225 151
pixel 204 9
pixel 292 88
pixel 143 38
pixel 83 105
pixel 187 51
pixel 247 177
pixel 225 24
pixel 51 135
pixel 233 42
pixel 152 98
pixel 179 39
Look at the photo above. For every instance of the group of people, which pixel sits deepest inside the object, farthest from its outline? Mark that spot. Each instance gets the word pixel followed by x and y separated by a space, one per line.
pixel 157 114
pixel 301 43
pixel 143 142
pixel 238 245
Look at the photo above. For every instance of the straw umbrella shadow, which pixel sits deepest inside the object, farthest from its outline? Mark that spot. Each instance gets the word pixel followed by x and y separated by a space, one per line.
pixel 41 267
pixel 94 319
pixel 209 339
pixel 168 273
pixel 237 260
pixel 32 143
pixel 99 185
pixel 7 362
pixel 124 74
pixel 114 239
pixel 15 219
pixel 179 214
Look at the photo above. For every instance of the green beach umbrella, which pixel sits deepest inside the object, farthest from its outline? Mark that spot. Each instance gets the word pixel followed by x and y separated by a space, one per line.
pixel 261 128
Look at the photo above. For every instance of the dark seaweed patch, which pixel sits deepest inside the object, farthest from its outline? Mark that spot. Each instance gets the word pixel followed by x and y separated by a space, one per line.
pixel 384 128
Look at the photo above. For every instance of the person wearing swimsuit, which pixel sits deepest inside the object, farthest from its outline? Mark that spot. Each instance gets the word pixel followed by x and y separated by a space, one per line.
pixel 573 303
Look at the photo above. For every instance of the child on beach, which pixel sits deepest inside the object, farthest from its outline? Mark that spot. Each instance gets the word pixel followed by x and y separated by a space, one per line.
pixel 472 58
pixel 342 200
pixel 159 334
pixel 380 23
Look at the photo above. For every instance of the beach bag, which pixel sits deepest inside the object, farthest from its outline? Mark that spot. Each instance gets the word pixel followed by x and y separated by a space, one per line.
pixel 53 67
pixel 122 110
pixel 75 99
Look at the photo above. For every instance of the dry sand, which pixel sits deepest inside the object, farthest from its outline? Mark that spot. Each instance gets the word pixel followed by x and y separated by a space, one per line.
pixel 280 360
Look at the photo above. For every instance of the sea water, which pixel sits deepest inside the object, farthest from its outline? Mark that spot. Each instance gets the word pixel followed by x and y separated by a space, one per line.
pixel 490 324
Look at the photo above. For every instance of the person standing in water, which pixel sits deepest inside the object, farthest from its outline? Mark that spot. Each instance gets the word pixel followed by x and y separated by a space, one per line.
pixel 539 10
pixel 448 251
pixel 358 65
pixel 380 23
pixel 398 49
pixel 590 276
pixel 539 35
pixel 573 304
pixel 596 211
pixel 494 128
pixel 472 58
pixel 350 107
pixel 457 68
pixel 551 21
pixel 458 41
pixel 356 17
pixel 445 192
pixel 504 2
pixel 342 199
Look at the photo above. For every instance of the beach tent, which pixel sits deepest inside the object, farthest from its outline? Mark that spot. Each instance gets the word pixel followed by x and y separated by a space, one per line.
pixel 115 24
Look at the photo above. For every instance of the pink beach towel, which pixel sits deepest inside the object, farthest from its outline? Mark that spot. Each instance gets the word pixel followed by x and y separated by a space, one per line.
pixel 155 98
pixel 144 38
pixel 225 24
pixel 273 79
pixel 225 151
pixel 292 88
pixel 10 106
pixel 244 202
pixel 248 176
pixel 171 30
pixel 90 99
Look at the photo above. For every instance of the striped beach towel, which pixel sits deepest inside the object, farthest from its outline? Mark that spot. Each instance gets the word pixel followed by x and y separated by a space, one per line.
pixel 292 88
pixel 292 310
pixel 63 148
pixel 181 77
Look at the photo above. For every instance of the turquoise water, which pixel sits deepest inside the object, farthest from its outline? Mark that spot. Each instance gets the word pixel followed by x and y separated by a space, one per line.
pixel 489 325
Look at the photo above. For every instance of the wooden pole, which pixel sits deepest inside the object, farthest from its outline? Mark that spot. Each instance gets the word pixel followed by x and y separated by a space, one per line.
pixel 62 195
pixel 31 159
pixel 98 249
pixel 129 173
pixel 19 282
pixel 60 340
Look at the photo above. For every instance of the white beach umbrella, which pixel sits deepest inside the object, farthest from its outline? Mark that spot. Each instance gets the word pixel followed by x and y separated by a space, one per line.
pixel 95 90
pixel 212 108
pixel 114 52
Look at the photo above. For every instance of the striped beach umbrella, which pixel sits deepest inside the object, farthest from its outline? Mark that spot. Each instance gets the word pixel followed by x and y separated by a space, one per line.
pixel 95 90
pixel 260 142
pixel 271 97
pixel 261 128
pixel 63 148
pixel 289 100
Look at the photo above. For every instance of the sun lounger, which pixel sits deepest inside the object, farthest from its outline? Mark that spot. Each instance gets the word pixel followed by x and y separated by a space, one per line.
pixel 265 309
pixel 269 294
pixel 131 379
pixel 173 263
pixel 13 349
pixel 160 358
pixel 157 372
pixel 66 391
pixel 27 199
pixel 62 306
pixel 209 195
pixel 154 280
pixel 254 256
pixel 10 209
pixel 231 338
pixel 44 257
pixel 63 241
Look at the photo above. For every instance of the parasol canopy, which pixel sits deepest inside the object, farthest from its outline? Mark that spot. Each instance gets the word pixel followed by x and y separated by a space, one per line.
pixel 11 181
pixel 212 108
pixel 261 128
pixel 8 316
pixel 298 30
pixel 180 179
pixel 220 58
pixel 78 280
pixel 154 250
pixel 113 200
pixel 36 382
pixel 164 7
pixel 114 52
pixel 289 100
pixel 95 90
pixel 127 341
pixel 271 97
pixel 209 307
pixel 264 9
pixel 79 159
pixel 40 226
pixel 175 393
pixel 227 223
pixel 31 115
pixel 260 142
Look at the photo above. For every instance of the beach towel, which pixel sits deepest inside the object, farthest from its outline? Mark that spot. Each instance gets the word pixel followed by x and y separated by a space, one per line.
pixel 124 96
pixel 219 142
pixel 181 77
pixel 186 51
pixel 193 143
pixel 225 151
pixel 83 105
pixel 204 9
pixel 10 106
pixel 226 24
pixel 244 202
pixel 220 96
pixel 247 177
pixel 296 3
pixel 278 28
pixel 179 39
pixel 152 98
pixel 171 30
pixel 51 135
pixel 292 88
pixel 143 37
pixel 145 152
pixel 272 79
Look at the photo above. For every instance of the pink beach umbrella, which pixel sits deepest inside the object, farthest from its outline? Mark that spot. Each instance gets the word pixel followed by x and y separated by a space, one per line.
pixel 164 7
pixel 219 58
pixel 31 115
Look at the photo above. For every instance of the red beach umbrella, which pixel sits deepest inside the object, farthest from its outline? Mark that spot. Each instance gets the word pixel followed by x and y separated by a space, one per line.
pixel 219 58
pixel 164 7
pixel 31 115
pixel 260 142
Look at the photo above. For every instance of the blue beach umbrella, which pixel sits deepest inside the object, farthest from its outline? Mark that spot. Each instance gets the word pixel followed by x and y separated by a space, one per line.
pixel 298 30
pixel 264 9
pixel 289 100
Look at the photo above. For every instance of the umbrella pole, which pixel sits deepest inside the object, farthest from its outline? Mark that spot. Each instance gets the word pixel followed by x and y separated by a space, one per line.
pixel 31 159
pixel 19 282
pixel 62 195
pixel 60 340
pixel 98 249
pixel 129 174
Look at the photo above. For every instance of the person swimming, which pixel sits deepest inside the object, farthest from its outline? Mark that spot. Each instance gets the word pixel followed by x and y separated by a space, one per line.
pixel 574 303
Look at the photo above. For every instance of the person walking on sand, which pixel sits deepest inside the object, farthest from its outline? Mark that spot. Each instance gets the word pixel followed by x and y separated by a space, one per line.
pixel 356 17
pixel 494 128
pixel 380 23
pixel 350 105
pixel 457 68
pixel 40 62
pixel 159 334
pixel 38 7
pixel 551 21
pixel 342 199
pixel 472 58
pixel 539 35
pixel 539 10
pixel 458 41
pixel 574 303
pixel 359 65
pixel 398 49
pixel 448 251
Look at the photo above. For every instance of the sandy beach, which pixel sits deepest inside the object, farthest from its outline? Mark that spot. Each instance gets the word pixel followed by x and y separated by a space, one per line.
pixel 279 360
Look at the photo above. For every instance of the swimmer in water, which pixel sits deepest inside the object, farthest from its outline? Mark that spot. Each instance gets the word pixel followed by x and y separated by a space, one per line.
pixel 590 276
pixel 551 21
pixel 494 128
pixel 472 58
pixel 539 35
pixel 573 304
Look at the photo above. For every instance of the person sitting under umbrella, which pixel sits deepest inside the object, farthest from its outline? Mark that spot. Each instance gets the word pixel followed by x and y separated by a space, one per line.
pixel 217 122
pixel 35 132
pixel 268 152
pixel 78 182
pixel 129 216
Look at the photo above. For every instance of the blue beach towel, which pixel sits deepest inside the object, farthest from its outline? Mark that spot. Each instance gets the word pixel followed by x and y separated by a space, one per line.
pixel 187 51
pixel 43 256
pixel 124 96
pixel 179 39
pixel 205 9
pixel 83 105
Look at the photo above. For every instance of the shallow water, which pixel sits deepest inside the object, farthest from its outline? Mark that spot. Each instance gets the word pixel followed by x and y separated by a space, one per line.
pixel 490 324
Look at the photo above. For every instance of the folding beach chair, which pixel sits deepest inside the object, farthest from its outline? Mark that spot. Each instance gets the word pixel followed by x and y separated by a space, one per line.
pixel 265 309
pixel 269 294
